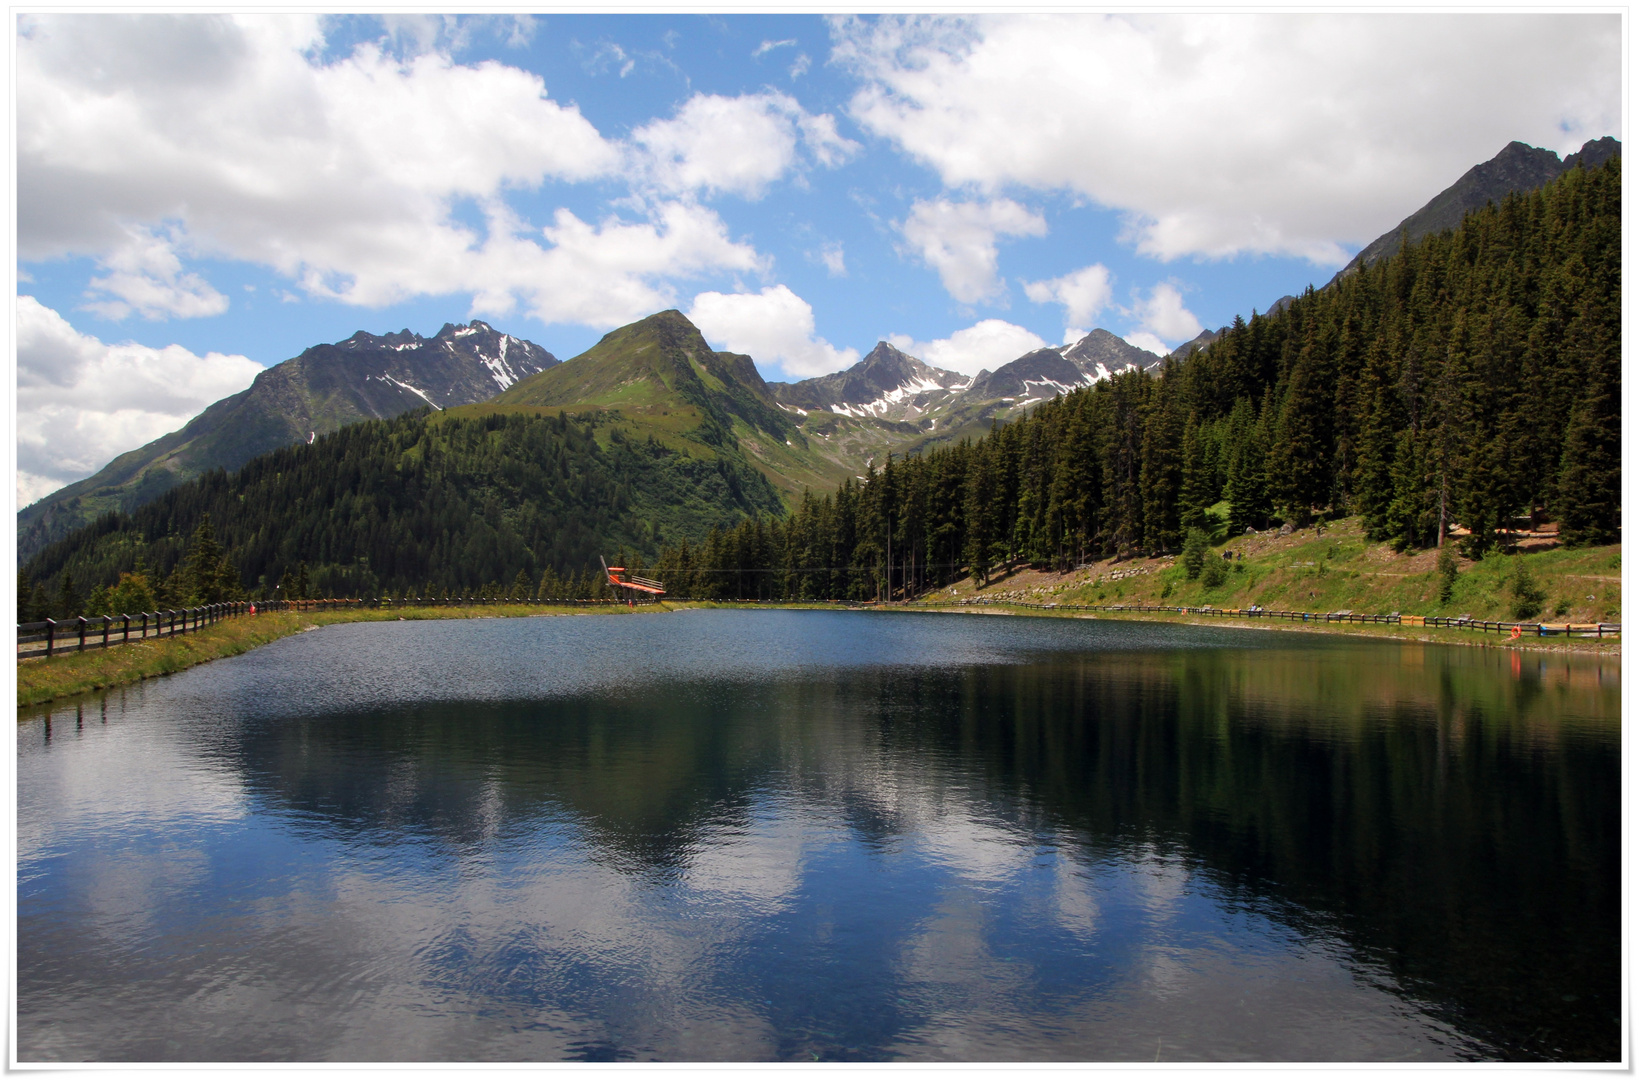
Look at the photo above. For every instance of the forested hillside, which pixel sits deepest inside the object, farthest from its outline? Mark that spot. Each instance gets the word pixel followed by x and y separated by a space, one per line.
pixel 364 377
pixel 425 504
pixel 1470 380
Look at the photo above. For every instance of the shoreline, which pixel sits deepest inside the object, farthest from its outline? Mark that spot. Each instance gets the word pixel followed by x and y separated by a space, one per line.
pixel 41 681
pixel 1385 632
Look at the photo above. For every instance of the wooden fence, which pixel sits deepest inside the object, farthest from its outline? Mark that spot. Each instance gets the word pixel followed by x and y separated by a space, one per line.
pixel 53 637
pixel 1593 630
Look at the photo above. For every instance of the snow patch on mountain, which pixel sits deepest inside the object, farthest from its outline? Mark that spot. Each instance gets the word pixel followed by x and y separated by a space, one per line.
pixel 384 377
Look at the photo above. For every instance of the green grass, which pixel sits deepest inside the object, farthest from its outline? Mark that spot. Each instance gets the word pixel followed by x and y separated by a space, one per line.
pixel 1340 570
pixel 1337 570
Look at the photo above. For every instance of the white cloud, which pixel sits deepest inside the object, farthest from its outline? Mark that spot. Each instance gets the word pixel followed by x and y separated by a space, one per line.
pixel 144 139
pixel 986 345
pixel 831 256
pixel 1237 133
pixel 1143 339
pixel 769 46
pixel 958 239
pixel 145 275
pixel 80 402
pixel 775 326
pixel 1084 293
pixel 738 145
pixel 1164 315
pixel 602 276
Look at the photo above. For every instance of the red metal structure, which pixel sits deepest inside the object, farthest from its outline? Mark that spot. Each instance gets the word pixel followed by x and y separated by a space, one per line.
pixel 631 581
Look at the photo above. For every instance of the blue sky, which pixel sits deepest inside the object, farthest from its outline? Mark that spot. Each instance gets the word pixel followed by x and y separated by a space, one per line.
pixel 202 196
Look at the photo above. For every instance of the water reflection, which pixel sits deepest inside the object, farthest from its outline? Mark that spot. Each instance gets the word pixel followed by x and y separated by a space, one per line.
pixel 794 835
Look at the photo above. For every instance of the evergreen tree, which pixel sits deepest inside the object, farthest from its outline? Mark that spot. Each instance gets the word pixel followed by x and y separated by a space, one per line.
pixel 1195 553
pixel 1588 495
pixel 1445 568
pixel 1528 597
pixel 204 562
pixel 70 604
pixel 1197 493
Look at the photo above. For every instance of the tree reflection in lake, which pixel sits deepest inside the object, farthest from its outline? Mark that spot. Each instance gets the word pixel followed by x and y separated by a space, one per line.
pixel 784 835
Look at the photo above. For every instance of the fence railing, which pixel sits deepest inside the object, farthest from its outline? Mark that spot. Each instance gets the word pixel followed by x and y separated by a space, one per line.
pixel 53 637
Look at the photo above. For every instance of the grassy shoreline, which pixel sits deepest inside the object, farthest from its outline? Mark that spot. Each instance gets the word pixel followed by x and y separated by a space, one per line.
pixel 1428 635
pixel 40 680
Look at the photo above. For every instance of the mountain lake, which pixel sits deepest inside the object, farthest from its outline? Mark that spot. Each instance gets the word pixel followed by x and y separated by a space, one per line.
pixel 834 836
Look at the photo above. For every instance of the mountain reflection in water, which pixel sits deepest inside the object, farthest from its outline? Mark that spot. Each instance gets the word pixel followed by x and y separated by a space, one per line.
pixel 845 836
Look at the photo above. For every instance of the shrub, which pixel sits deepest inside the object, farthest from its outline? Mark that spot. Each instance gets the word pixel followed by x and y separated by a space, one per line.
pixel 131 595
pixel 1446 568
pixel 1195 552
pixel 1528 595
pixel 1213 573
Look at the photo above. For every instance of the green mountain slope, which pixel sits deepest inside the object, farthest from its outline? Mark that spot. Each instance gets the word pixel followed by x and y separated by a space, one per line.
pixel 422 502
pixel 659 378
pixel 364 377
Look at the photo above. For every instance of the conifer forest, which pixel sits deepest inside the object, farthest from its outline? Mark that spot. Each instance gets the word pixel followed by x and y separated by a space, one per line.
pixel 1465 386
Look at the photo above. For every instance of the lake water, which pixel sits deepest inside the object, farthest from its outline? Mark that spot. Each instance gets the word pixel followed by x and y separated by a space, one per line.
pixel 826 835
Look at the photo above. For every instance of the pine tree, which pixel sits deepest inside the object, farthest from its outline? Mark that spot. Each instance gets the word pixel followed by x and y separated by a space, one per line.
pixel 1195 553
pixel 1589 489
pixel 1247 489
pixel 204 563
pixel 1302 448
pixel 70 604
pixel 1197 493
pixel 1445 568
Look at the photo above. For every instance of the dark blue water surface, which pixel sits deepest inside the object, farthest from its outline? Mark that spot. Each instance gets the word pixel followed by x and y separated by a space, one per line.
pixel 826 835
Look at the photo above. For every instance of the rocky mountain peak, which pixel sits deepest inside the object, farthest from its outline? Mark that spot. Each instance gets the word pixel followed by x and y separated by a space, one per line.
pixel 1101 354
pixel 1516 168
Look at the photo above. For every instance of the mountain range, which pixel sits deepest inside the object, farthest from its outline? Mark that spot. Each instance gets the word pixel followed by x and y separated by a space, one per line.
pixel 658 378
pixel 1516 168
pixel 365 377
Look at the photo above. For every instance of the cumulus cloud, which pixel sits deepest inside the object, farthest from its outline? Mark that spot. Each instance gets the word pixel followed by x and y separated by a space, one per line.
pixel 775 326
pixel 738 145
pixel 145 275
pixel 985 345
pixel 958 239
pixel 81 402
pixel 1143 339
pixel 1225 134
pixel 603 275
pixel 1084 293
pixel 1162 314
pixel 144 138
pixel 147 140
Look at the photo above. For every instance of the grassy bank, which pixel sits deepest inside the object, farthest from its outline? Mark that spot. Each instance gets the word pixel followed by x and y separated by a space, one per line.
pixel 1337 569
pixel 77 673
pixel 1428 635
